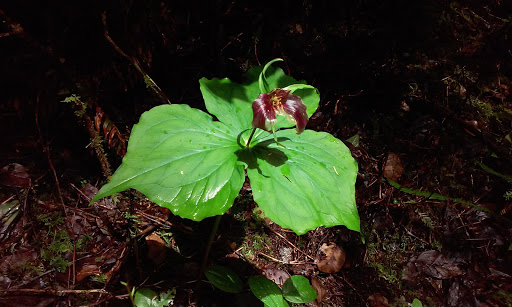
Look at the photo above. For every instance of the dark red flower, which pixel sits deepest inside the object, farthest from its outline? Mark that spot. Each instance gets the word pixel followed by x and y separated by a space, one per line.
pixel 281 102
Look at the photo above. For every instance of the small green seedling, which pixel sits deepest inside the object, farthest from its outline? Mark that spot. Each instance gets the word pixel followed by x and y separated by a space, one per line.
pixel 224 278
pixel 182 159
pixel 145 297
pixel 296 289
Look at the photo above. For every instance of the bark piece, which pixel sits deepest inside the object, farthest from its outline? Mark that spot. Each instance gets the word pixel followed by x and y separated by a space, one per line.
pixel 393 168
pixel 321 290
pixel 157 249
pixel 15 175
pixel 433 264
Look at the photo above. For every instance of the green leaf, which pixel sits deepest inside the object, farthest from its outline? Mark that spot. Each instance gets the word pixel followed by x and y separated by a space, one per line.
pixel 354 140
pixel 267 291
pixel 294 87
pixel 416 303
pixel 182 160
pixel 224 278
pixel 297 289
pixel 8 212
pixel 307 184
pixel 145 297
pixel 231 102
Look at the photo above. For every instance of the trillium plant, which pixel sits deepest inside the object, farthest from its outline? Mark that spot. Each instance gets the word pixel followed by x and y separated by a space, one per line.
pixel 184 160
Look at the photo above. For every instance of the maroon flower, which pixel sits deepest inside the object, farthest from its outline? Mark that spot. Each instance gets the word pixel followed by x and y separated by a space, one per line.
pixel 281 102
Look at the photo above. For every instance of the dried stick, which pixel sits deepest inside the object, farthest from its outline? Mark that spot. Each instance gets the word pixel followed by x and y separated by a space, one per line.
pixel 293 262
pixel 50 292
pixel 46 149
pixel 291 244
pixel 150 82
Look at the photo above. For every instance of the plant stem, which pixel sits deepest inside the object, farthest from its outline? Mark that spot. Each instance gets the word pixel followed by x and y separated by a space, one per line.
pixel 250 138
pixel 209 245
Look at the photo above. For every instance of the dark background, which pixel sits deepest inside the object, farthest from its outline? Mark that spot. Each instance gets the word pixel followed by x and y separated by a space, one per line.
pixel 427 80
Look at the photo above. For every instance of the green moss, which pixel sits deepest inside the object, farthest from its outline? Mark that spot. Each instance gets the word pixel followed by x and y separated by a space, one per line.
pixel 260 241
pixel 167 237
pixel 29 268
pixel 101 279
pixel 386 250
pixel 504 296
pixel 254 243
pixel 57 242
pixel 484 109
pixel 50 220
pixel 60 264
pixel 437 245
pixel 83 241
pixel 386 272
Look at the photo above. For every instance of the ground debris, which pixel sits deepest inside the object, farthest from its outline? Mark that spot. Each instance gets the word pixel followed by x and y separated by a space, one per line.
pixel 332 258
pixel 15 175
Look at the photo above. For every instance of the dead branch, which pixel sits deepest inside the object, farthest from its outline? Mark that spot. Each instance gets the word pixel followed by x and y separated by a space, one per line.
pixel 149 81
pixel 50 292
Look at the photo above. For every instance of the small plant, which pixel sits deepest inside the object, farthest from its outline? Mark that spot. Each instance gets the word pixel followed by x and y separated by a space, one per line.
pixel 55 253
pixel 101 279
pixel 296 289
pixel 145 297
pixel 508 195
pixel 58 245
pixel 182 159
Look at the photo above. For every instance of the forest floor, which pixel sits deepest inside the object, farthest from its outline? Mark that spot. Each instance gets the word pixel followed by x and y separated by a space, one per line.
pixel 430 129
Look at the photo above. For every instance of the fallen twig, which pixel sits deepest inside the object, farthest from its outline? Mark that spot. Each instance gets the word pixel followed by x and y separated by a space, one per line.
pixel 46 150
pixel 147 79
pixel 293 262
pixel 50 292
pixel 291 244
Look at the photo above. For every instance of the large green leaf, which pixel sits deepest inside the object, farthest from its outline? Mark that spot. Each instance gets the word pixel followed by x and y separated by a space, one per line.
pixel 267 291
pixel 307 184
pixel 182 160
pixel 231 102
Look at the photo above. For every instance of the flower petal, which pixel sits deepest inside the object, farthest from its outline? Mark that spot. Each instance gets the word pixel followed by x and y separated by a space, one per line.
pixel 264 115
pixel 294 107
